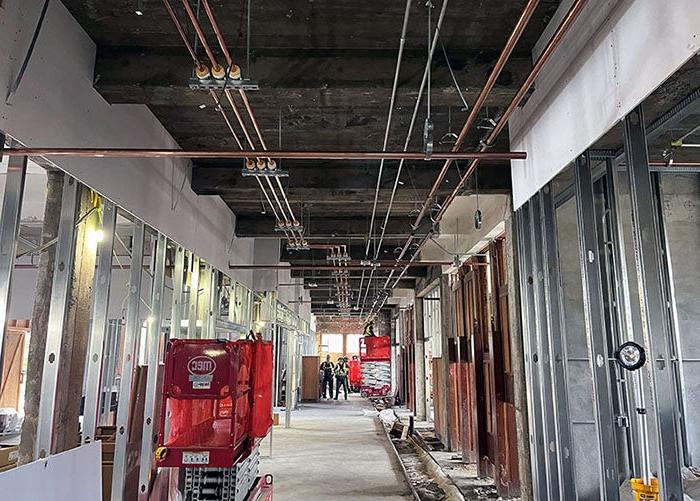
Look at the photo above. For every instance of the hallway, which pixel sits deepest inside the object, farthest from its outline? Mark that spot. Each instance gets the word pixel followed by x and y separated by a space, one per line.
pixel 333 451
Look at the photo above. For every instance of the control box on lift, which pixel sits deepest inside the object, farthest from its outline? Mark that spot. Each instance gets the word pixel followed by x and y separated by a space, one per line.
pixel 217 401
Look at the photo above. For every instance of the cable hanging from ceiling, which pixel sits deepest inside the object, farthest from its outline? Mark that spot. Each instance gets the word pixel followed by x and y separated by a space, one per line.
pixel 491 137
pixel 432 44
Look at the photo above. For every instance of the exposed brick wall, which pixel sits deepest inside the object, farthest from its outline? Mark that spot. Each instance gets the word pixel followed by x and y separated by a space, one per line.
pixel 331 325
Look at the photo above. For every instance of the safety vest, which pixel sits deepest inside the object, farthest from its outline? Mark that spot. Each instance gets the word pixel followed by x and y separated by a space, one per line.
pixel 342 370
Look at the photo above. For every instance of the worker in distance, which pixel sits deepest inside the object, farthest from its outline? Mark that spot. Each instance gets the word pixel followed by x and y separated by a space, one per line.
pixel 327 372
pixel 341 377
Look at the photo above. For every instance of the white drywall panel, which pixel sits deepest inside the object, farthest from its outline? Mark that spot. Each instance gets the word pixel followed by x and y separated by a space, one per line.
pixel 75 474
pixel 616 54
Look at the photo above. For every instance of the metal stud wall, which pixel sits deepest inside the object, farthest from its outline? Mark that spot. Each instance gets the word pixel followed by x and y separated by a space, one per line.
pixel 618 411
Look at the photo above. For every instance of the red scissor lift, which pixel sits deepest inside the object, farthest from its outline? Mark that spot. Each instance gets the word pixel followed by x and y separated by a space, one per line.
pixel 375 366
pixel 218 396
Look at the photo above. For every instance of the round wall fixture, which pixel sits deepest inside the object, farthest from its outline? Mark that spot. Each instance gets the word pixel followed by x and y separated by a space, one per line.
pixel 631 355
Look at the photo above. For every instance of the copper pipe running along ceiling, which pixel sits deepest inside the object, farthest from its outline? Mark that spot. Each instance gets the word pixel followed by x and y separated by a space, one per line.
pixel 242 154
pixel 352 265
pixel 549 49
pixel 505 54
pixel 512 41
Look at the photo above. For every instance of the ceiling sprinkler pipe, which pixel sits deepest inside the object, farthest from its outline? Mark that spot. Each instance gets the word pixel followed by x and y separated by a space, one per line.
pixel 481 99
pixel 549 49
pixel 287 154
pixel 216 68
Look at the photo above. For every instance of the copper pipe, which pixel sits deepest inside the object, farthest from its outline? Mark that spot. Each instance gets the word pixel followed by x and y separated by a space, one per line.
pixel 679 165
pixel 481 99
pixel 279 205
pixel 352 266
pixel 287 154
pixel 181 31
pixel 246 103
pixel 552 45
pixel 200 34
pixel 239 117
pixel 286 201
pixel 217 32
pixel 229 60
pixel 223 114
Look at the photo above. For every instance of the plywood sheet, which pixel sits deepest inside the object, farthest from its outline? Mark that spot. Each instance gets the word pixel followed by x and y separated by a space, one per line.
pixel 310 389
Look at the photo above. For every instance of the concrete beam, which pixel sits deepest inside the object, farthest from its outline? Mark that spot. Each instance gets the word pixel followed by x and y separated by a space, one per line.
pixel 316 183
pixel 160 76
pixel 264 226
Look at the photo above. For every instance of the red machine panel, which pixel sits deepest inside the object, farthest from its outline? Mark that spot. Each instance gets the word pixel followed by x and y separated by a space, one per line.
pixel 375 366
pixel 375 348
pixel 213 411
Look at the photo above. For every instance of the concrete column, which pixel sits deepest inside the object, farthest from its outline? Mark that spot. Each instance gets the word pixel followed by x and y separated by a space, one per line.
pixel 40 314
pixel 518 363
pixel 266 251
pixel 419 360
pixel 76 332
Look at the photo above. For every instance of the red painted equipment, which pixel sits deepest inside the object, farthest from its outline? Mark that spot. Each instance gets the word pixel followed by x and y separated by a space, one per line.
pixel 375 366
pixel 375 348
pixel 355 374
pixel 219 397
pixel 262 490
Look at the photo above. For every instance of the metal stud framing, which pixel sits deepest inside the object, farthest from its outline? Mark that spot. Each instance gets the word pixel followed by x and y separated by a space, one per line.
pixel 595 328
pixel 109 363
pixel 551 300
pixel 655 323
pixel 178 273
pixel 9 231
pixel 60 291
pixel 531 356
pixel 193 296
pixel 204 301
pixel 638 449
pixel 214 298
pixel 155 322
pixel 131 333
pixel 100 309
pixel 544 362
pixel 288 392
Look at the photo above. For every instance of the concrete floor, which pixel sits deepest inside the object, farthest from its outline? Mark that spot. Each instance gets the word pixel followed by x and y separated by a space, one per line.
pixel 333 451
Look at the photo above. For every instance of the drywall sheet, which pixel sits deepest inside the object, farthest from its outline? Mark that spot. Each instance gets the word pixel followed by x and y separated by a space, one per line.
pixel 75 474
pixel 617 53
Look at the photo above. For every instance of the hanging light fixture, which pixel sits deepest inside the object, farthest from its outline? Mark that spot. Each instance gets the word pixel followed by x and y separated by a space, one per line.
pixel 139 8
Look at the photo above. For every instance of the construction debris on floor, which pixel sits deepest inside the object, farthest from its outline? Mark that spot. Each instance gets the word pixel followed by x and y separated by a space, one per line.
pixel 432 473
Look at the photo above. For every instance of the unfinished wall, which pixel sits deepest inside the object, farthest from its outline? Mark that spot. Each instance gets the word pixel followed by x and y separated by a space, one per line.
pixel 615 55
pixel 579 376
pixel 681 210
